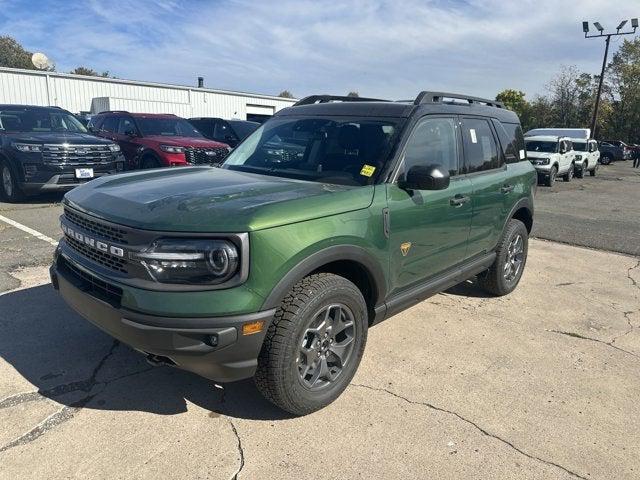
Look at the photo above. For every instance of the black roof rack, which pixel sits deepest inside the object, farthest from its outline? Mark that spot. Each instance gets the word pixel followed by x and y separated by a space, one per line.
pixel 439 97
pixel 311 99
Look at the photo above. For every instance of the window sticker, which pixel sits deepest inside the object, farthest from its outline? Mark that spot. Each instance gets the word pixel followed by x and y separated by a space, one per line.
pixel 472 132
pixel 367 170
pixel 521 154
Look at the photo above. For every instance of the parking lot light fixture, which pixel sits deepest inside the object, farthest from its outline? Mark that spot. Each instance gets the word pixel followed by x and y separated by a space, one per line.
pixel 607 36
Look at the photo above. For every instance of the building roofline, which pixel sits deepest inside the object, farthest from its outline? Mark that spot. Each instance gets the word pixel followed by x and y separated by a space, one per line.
pixel 144 84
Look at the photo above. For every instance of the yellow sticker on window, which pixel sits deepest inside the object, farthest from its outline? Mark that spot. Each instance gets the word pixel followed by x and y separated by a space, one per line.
pixel 367 170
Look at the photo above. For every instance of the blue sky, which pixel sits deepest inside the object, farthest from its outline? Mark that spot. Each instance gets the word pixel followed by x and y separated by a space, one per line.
pixel 391 49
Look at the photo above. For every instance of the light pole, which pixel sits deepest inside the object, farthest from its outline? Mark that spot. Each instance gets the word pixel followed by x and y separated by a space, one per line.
pixel 585 29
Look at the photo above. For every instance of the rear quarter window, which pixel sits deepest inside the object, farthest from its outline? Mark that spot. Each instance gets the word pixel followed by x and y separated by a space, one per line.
pixel 512 141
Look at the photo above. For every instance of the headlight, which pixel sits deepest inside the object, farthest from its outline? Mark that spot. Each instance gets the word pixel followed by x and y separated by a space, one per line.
pixel 27 147
pixel 578 157
pixel 114 147
pixel 171 149
pixel 190 261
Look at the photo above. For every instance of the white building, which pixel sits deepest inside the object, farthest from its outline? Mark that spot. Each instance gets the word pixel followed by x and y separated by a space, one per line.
pixel 79 93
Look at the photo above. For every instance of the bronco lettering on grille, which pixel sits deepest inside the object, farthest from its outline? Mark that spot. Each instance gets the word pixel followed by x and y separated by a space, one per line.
pixel 92 242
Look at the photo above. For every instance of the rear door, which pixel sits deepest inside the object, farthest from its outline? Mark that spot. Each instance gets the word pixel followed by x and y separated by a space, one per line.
pixel 428 229
pixel 485 166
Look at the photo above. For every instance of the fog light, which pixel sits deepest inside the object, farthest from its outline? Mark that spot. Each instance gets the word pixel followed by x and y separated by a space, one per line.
pixel 213 340
pixel 252 327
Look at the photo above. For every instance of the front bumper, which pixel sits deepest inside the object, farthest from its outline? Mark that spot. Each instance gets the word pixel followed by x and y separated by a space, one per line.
pixel 213 347
pixel 44 177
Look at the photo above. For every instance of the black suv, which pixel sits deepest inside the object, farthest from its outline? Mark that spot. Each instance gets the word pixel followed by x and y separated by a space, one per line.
pixel 231 132
pixel 48 149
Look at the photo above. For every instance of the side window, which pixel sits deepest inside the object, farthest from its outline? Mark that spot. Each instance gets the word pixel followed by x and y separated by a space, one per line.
pixel 480 150
pixel 222 131
pixel 126 125
pixel 203 126
pixel 110 124
pixel 511 140
pixel 433 141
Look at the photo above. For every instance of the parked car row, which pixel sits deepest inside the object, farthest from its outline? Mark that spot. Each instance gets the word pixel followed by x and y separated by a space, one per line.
pixel 49 149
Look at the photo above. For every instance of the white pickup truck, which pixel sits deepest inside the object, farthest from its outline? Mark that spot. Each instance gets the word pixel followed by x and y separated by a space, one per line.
pixel 551 156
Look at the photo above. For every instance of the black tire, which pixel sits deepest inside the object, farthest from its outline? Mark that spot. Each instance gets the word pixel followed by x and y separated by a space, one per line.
pixel 606 159
pixel 495 280
pixel 9 189
pixel 149 161
pixel 579 172
pixel 280 376
pixel 592 172
pixel 569 175
pixel 552 176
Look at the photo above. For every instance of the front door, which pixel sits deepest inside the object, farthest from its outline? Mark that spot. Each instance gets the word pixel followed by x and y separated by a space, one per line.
pixel 428 229
pixel 126 137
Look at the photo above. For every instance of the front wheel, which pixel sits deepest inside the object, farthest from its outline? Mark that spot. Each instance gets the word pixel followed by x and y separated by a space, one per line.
pixel 579 171
pixel 593 171
pixel 314 344
pixel 511 256
pixel 569 175
pixel 552 176
pixel 9 189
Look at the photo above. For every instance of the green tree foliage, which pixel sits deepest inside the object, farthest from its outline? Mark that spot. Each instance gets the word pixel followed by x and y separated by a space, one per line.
pixel 285 94
pixel 623 75
pixel 13 55
pixel 90 72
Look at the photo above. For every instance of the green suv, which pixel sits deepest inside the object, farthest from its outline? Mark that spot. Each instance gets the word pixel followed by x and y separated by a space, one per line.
pixel 334 215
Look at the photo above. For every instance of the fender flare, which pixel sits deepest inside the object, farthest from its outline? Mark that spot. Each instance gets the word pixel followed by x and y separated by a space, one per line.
pixel 524 202
pixel 351 253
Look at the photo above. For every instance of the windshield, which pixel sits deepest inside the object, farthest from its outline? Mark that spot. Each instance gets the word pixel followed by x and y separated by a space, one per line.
pixel 167 127
pixel 39 120
pixel 243 129
pixel 580 146
pixel 538 146
pixel 329 150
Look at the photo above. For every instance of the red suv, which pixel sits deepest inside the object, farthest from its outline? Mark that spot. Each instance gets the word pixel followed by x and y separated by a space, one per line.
pixel 157 140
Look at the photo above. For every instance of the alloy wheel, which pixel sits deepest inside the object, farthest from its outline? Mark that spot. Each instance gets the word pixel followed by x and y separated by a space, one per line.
pixel 515 258
pixel 326 346
pixel 7 182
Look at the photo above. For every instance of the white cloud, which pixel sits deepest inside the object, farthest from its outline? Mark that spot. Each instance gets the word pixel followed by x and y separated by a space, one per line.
pixel 379 48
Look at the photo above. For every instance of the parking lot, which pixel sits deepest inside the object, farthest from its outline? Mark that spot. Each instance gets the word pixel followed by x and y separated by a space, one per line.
pixel 539 384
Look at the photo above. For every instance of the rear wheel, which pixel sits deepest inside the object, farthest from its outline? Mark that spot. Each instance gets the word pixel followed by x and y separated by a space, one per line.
pixel 606 159
pixel 314 344
pixel 9 189
pixel 592 172
pixel 511 257
pixel 552 176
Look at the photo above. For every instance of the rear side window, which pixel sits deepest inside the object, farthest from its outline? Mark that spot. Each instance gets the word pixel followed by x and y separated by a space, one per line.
pixel 512 141
pixel 110 124
pixel 480 149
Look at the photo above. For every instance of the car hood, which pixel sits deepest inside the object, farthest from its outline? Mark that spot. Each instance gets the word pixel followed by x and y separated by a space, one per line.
pixel 57 138
pixel 185 141
pixel 205 199
pixel 531 155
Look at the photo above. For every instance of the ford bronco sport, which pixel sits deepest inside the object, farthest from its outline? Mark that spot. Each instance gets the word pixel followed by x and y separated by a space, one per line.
pixel 276 264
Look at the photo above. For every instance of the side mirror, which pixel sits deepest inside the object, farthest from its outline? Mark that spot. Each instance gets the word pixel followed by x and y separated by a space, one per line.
pixel 426 177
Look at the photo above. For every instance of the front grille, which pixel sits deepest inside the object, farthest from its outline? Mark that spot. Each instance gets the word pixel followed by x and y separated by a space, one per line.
pixel 96 227
pixel 65 153
pixel 205 156
pixel 90 284
pixel 102 258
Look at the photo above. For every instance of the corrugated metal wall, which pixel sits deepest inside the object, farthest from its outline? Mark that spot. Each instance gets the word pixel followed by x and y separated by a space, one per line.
pixel 76 93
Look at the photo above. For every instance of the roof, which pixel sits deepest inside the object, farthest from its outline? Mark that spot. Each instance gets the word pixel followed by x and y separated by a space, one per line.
pixel 397 109
pixel 583 133
pixel 545 138
pixel 32 107
pixel 137 115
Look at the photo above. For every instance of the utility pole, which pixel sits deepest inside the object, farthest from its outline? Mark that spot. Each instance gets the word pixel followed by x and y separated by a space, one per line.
pixel 585 29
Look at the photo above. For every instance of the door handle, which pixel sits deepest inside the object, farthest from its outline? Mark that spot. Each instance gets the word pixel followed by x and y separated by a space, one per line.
pixel 507 188
pixel 458 200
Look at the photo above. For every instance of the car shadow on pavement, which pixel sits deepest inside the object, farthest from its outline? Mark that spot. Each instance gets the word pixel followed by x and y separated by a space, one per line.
pixel 468 288
pixel 74 363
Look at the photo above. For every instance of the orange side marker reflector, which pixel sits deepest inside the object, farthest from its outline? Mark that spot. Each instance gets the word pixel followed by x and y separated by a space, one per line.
pixel 252 327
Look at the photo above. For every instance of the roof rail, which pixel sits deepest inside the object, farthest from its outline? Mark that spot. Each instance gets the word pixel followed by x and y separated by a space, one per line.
pixel 439 97
pixel 112 111
pixel 333 98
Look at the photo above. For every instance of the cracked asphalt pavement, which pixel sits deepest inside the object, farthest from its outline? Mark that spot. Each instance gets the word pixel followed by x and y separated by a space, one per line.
pixel 541 384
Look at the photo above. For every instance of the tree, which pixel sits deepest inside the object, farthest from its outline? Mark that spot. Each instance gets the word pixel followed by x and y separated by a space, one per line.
pixel 564 97
pixel 513 100
pixel 285 94
pixel 13 55
pixel 90 72
pixel 624 78
pixel 353 94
